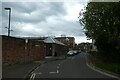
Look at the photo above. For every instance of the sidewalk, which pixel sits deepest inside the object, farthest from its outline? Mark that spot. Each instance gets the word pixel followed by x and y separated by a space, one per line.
pixel 23 70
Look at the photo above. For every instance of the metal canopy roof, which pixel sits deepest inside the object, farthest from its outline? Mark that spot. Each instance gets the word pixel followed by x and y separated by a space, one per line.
pixel 52 40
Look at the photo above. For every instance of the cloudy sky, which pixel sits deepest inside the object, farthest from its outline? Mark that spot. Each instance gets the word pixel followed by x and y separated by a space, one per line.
pixel 44 19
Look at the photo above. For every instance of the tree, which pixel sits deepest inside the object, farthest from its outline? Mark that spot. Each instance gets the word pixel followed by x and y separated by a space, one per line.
pixel 101 22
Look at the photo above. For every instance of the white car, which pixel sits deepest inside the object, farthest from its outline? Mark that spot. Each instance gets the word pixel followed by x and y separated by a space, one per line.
pixel 70 53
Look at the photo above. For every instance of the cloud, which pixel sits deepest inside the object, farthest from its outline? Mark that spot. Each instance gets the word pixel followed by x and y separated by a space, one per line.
pixel 42 19
pixel 32 12
pixel 46 1
pixel 80 39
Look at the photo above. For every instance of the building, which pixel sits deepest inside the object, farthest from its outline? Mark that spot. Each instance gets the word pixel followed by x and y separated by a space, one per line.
pixel 69 41
pixel 54 47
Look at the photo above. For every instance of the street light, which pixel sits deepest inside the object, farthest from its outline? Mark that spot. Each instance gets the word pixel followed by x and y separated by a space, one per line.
pixel 9 20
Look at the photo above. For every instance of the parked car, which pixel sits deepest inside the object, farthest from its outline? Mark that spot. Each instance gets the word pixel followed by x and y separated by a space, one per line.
pixel 79 51
pixel 70 53
pixel 75 52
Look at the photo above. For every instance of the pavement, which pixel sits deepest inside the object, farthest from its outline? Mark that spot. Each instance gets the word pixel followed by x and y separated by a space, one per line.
pixel 21 71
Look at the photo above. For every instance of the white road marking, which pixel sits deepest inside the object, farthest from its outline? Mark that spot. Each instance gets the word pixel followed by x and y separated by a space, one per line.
pixel 57 71
pixel 58 67
pixel 73 58
pixel 52 72
pixel 40 73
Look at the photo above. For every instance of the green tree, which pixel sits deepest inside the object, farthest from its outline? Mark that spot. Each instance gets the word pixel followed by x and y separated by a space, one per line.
pixel 101 21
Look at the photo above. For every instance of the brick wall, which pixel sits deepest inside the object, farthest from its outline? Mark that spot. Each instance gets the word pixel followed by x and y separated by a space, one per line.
pixel 71 42
pixel 13 50
pixel 16 50
pixel 36 50
pixel 61 50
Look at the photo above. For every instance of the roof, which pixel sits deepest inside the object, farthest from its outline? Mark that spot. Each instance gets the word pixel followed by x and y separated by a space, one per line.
pixel 52 40
pixel 34 38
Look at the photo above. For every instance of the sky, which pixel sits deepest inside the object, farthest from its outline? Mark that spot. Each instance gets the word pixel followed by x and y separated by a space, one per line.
pixel 34 19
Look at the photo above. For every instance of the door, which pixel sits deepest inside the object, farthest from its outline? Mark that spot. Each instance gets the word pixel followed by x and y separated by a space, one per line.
pixel 48 49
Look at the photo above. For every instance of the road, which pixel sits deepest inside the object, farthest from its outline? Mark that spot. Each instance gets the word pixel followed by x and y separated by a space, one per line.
pixel 72 67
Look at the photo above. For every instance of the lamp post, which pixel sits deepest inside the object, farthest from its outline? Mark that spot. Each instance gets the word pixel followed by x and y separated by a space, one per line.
pixel 9 20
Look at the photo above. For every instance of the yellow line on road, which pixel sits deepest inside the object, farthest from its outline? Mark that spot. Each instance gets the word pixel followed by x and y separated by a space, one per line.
pixel 32 76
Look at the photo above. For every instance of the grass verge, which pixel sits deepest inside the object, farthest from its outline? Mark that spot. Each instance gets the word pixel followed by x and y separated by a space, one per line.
pixel 115 68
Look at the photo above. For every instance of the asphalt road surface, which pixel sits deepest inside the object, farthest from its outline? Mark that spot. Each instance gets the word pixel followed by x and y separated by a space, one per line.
pixel 72 67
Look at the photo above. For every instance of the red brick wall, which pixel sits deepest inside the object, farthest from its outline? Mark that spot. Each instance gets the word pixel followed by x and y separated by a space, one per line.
pixel 14 51
pixel 37 50
pixel 61 50
pixel 71 42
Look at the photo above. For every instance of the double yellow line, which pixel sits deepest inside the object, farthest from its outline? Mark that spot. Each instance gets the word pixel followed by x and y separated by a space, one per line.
pixel 32 76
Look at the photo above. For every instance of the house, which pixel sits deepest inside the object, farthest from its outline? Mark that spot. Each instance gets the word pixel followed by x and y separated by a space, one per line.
pixel 69 41
pixel 54 47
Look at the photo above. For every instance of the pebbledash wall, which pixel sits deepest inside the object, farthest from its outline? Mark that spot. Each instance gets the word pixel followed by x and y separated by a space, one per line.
pixel 17 50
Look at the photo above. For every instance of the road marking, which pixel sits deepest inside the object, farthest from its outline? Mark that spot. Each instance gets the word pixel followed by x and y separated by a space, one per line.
pixel 40 73
pixel 32 76
pixel 73 58
pixel 57 71
pixel 58 67
pixel 52 72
